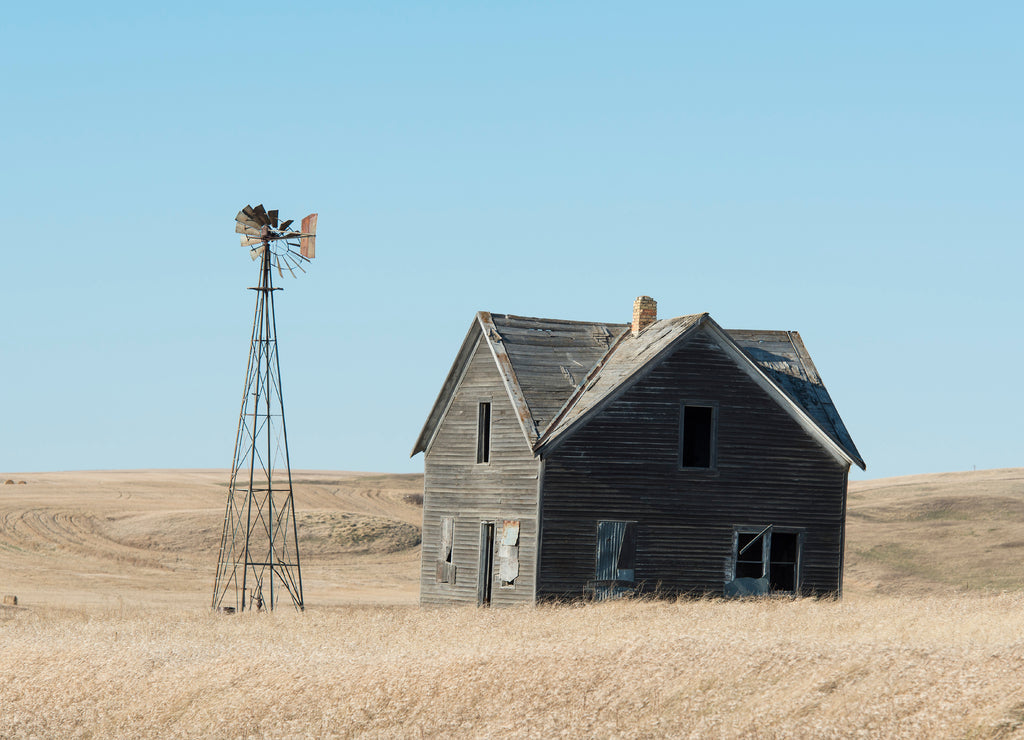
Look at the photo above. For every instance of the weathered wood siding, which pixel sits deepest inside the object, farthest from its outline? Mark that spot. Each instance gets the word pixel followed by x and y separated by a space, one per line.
pixel 623 465
pixel 456 485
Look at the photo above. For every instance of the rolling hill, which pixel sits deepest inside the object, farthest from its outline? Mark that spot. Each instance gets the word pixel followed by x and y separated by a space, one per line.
pixel 150 537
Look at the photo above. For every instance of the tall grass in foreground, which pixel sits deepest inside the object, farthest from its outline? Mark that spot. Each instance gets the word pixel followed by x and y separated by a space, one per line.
pixel 878 667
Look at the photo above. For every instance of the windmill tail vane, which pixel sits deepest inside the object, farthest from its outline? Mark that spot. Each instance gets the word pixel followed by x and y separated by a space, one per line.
pixel 259 562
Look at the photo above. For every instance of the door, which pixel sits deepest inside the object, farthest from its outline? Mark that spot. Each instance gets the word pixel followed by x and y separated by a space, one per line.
pixel 484 574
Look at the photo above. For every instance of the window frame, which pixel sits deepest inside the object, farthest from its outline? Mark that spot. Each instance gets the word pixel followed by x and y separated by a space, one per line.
pixel 484 423
pixel 712 466
pixel 766 552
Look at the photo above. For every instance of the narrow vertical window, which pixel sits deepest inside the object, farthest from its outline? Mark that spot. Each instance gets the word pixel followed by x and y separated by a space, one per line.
pixel 697 430
pixel 483 433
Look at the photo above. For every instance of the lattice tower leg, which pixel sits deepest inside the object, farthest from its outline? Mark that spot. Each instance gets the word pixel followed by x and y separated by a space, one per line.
pixel 259 550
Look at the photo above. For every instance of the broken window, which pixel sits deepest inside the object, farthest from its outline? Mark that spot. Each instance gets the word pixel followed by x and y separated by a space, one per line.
pixel 483 432
pixel 445 566
pixel 508 554
pixel 616 558
pixel 768 561
pixel 697 428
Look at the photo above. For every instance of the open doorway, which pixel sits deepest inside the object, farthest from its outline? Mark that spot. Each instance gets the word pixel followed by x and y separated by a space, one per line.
pixel 485 573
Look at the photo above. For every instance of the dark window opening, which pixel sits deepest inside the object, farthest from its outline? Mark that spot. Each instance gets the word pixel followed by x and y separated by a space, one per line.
pixel 749 555
pixel 782 568
pixel 483 433
pixel 697 437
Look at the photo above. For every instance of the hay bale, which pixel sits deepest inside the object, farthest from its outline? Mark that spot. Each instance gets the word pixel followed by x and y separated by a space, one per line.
pixel 8 482
pixel 10 600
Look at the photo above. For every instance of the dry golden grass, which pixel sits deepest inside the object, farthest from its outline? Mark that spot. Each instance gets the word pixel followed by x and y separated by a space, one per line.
pixel 927 667
pixel 114 637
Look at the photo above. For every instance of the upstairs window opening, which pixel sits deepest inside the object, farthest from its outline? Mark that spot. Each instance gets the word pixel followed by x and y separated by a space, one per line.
pixel 697 430
pixel 483 432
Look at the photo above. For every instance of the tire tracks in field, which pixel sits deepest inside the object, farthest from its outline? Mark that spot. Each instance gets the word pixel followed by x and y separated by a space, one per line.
pixel 41 531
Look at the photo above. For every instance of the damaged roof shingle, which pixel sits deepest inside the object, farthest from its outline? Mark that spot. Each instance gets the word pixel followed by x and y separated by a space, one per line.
pixel 559 372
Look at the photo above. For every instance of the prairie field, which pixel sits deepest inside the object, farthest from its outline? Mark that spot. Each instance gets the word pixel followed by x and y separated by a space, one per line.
pixel 113 636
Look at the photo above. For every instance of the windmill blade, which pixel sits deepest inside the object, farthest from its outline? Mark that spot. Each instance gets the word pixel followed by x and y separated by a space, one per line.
pixel 284 226
pixel 245 222
pixel 250 213
pixel 307 243
pixel 243 228
pixel 254 253
pixel 272 215
pixel 261 215
pixel 248 241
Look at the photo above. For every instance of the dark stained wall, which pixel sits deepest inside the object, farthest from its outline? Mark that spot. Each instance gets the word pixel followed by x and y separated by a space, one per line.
pixel 623 465
pixel 455 485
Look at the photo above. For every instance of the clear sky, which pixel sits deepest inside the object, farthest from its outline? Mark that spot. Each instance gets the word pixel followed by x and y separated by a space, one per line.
pixel 851 171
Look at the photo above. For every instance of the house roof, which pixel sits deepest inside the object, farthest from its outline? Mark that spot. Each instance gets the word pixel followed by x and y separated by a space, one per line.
pixel 558 373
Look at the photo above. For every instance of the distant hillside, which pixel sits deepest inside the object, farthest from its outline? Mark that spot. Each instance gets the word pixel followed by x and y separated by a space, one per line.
pixel 938 532
pixel 151 536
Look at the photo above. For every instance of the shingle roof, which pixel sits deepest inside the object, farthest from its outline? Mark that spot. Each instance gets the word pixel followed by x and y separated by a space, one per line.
pixel 551 358
pixel 558 372
pixel 782 356
pixel 631 355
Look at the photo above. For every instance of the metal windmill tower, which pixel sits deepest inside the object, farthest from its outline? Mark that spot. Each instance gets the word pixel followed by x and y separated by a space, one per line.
pixel 259 549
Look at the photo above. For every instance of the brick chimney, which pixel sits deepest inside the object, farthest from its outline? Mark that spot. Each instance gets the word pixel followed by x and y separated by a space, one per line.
pixel 645 313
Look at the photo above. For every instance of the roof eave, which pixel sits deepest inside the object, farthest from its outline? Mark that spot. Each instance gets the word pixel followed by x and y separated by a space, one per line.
pixel 444 398
pixel 508 376
pixel 801 417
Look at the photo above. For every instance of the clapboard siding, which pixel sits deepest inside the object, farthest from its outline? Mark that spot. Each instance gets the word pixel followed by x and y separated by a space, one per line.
pixel 455 485
pixel 623 464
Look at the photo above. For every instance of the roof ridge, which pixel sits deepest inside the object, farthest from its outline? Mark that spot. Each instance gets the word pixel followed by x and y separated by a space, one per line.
pixel 556 321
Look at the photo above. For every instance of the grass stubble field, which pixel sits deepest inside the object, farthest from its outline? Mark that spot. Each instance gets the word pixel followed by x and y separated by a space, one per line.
pixel 113 636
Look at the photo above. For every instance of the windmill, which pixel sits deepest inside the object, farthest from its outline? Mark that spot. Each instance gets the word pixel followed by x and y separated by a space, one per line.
pixel 259 549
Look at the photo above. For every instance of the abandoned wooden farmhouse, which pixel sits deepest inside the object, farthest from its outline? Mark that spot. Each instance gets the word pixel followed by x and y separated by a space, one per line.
pixel 568 459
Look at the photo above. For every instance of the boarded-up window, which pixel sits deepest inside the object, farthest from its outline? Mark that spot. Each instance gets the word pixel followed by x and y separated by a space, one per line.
pixel 616 552
pixel 508 554
pixel 445 566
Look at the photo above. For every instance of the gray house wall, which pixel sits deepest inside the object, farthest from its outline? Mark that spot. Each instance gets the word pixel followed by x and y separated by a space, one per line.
pixel 623 464
pixel 503 489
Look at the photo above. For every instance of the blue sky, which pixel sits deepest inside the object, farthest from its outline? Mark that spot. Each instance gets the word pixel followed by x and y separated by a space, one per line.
pixel 852 173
